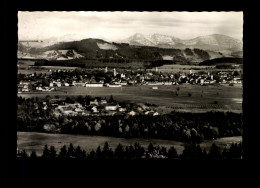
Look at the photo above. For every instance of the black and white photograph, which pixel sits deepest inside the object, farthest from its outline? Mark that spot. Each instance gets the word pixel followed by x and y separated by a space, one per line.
pixel 130 85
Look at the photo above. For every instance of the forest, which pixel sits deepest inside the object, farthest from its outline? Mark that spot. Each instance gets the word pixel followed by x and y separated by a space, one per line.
pixel 186 127
pixel 136 151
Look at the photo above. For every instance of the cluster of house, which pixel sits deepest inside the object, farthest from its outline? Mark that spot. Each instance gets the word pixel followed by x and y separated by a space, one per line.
pixel 226 78
pixel 144 78
pixel 27 86
pixel 97 106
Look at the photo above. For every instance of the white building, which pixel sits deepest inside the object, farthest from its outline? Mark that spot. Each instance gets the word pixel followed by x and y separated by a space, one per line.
pixel 111 107
pixel 114 85
pixel 132 113
pixel 94 85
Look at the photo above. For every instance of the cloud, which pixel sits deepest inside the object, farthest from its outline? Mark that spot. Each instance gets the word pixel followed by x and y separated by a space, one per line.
pixel 117 25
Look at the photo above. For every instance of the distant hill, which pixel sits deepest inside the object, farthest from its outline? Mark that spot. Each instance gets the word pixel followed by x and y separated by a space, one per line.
pixel 221 61
pixel 103 51
pixel 238 54
pixel 213 42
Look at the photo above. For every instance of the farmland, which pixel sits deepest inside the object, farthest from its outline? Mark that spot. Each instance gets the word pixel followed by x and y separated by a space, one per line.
pixel 203 98
pixel 35 141
pixel 186 68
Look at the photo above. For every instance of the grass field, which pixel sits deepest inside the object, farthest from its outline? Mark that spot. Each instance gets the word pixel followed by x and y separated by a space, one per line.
pixel 186 68
pixel 203 98
pixel 35 141
pixel 181 68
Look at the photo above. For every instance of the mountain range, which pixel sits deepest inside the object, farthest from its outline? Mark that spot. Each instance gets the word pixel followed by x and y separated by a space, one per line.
pixel 135 48
pixel 210 42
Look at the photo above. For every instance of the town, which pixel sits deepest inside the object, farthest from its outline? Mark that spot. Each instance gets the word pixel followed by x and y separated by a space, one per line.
pixel 104 78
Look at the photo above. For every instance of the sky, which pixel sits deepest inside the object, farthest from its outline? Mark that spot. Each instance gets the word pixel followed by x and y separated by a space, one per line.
pixel 116 26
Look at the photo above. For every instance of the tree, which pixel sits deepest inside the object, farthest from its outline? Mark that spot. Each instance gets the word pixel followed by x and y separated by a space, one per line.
pixel 129 152
pixel 69 100
pixel 80 153
pixel 47 98
pixel 119 151
pixel 204 154
pixel 111 99
pixel 235 151
pixel 23 153
pixel 53 152
pixel 63 152
pixel 80 99
pixel 192 151
pixel 46 151
pixel 138 150
pixel 92 154
pixel 107 152
pixel 98 152
pixel 71 151
pixel 172 153
pixel 225 154
pixel 163 151
pixel 214 152
pixel 150 148
pixel 33 154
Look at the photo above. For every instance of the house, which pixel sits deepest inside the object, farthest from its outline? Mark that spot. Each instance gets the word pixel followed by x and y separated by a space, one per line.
pixel 111 107
pixel 201 81
pixel 94 102
pixel 167 83
pixel 122 75
pixel 39 88
pixel 114 85
pixel 58 84
pixel 149 112
pixel 69 113
pixel 103 101
pixel 94 109
pixel 156 114
pixel 49 128
pixel 132 113
pixel 122 109
pixel 93 85
pixel 25 89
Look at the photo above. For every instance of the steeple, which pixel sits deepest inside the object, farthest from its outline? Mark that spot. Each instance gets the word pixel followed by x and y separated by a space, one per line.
pixel 114 72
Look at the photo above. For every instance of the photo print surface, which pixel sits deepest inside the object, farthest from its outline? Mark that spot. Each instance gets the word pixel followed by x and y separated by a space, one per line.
pixel 130 85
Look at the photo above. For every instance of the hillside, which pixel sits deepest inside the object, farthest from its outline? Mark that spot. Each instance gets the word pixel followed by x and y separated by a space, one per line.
pixel 101 50
pixel 213 42
pixel 221 61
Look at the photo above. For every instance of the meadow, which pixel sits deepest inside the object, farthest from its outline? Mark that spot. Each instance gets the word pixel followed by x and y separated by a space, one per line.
pixel 190 97
pixel 34 141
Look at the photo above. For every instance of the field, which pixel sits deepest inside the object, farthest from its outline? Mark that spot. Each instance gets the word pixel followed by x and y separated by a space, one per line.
pixel 36 141
pixel 203 98
pixel 186 68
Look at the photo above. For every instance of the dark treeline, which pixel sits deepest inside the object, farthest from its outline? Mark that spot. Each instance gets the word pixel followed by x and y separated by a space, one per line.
pixel 136 151
pixel 187 127
pixel 226 60
pixel 202 54
pixel 67 63
pixel 158 63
